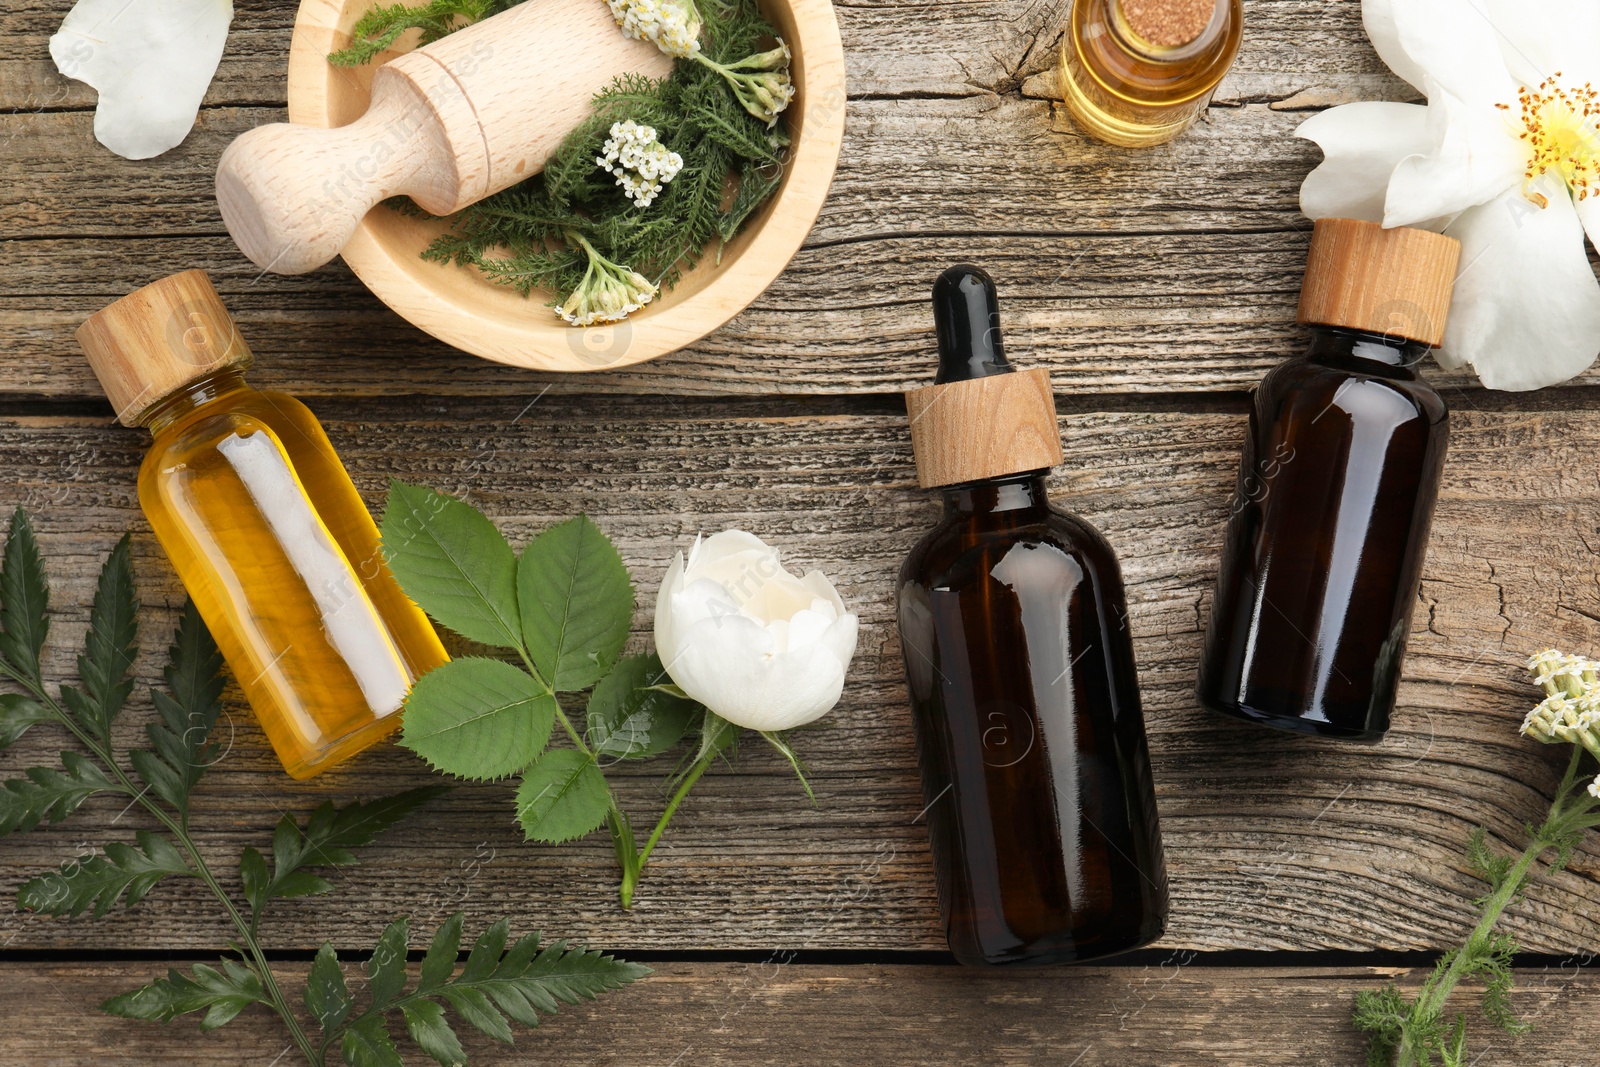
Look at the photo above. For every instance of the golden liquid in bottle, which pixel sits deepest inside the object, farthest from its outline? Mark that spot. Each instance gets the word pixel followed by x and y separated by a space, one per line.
pixel 259 517
pixel 1128 91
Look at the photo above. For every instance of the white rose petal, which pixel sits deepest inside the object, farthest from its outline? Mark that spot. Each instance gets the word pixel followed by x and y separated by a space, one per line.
pixel 755 644
pixel 151 61
pixel 1527 308
pixel 1508 161
pixel 1377 16
pixel 1361 145
pixel 1470 161
pixel 1532 37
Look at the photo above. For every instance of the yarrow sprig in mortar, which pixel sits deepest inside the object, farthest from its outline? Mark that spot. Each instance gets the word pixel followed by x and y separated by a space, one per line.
pixel 746 644
pixel 635 194
pixel 1412 1032
pixel 521 982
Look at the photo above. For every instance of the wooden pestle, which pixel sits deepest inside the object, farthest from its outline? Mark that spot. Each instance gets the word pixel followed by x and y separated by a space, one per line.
pixel 448 125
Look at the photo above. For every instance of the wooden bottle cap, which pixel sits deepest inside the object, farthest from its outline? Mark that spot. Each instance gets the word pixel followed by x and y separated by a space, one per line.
pixel 156 340
pixel 981 428
pixel 1395 282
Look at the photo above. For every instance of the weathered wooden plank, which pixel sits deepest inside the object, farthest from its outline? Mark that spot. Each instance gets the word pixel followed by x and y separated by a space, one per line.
pixel 893 47
pixel 1274 841
pixel 1174 269
pixel 779 1014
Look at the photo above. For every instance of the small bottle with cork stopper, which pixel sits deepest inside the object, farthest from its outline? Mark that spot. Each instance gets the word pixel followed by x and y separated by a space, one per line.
pixel 1137 73
pixel 1337 483
pixel 263 525
pixel 1025 701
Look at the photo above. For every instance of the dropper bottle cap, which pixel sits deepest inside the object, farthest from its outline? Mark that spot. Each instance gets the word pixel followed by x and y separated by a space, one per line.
pixel 158 339
pixel 982 418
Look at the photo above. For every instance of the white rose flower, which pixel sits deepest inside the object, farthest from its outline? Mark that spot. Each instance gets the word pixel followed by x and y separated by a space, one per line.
pixel 758 646
pixel 151 60
pixel 1505 157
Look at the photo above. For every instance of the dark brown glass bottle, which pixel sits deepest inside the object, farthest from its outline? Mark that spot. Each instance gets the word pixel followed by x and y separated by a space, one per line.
pixel 1336 489
pixel 1025 701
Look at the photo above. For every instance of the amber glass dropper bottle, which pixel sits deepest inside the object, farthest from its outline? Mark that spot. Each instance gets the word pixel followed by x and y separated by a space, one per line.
pixel 1336 488
pixel 1137 73
pixel 263 525
pixel 1024 697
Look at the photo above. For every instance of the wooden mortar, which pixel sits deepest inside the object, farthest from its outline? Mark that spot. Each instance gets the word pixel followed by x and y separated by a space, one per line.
pixel 449 124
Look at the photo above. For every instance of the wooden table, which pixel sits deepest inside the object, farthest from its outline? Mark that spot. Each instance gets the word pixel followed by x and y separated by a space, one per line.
pixel 1157 286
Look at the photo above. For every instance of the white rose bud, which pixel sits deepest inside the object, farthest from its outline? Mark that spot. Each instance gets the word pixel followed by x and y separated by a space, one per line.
pixel 758 646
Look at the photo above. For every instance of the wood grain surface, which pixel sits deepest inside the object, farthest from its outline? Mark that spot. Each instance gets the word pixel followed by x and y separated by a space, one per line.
pixel 776 1014
pixel 1274 842
pixel 1157 287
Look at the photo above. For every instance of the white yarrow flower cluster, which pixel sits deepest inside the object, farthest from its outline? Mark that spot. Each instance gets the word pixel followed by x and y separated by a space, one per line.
pixel 1570 711
pixel 671 25
pixel 609 292
pixel 641 163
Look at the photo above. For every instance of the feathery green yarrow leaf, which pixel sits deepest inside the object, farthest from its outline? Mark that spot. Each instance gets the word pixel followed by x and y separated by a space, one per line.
pixel 577 603
pixel 477 718
pixel 122 872
pixel 109 649
pixel 563 796
pixel 533 235
pixel 630 718
pixel 382 26
pixel 450 559
pixel 24 599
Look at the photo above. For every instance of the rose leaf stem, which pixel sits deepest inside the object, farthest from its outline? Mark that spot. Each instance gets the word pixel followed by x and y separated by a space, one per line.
pixel 616 819
pixel 630 879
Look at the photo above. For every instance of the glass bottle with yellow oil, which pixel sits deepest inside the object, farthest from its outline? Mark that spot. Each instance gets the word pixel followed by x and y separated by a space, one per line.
pixel 1137 73
pixel 260 518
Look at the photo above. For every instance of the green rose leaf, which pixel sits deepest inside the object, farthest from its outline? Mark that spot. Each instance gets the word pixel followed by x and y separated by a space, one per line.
pixel 562 797
pixel 630 718
pixel 577 603
pixel 451 560
pixel 478 718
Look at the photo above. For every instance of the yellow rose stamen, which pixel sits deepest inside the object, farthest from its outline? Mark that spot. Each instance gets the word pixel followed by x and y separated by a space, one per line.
pixel 1561 127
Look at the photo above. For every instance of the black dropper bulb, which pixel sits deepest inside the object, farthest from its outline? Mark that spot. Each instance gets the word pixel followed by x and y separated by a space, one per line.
pixel 966 315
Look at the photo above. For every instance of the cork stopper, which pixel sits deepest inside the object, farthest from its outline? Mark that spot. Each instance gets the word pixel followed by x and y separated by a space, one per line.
pixel 982 418
pixel 1396 282
pixel 158 339
pixel 1168 23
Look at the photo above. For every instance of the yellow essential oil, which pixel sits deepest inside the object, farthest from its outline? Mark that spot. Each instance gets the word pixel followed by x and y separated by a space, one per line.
pixel 1137 73
pixel 264 527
